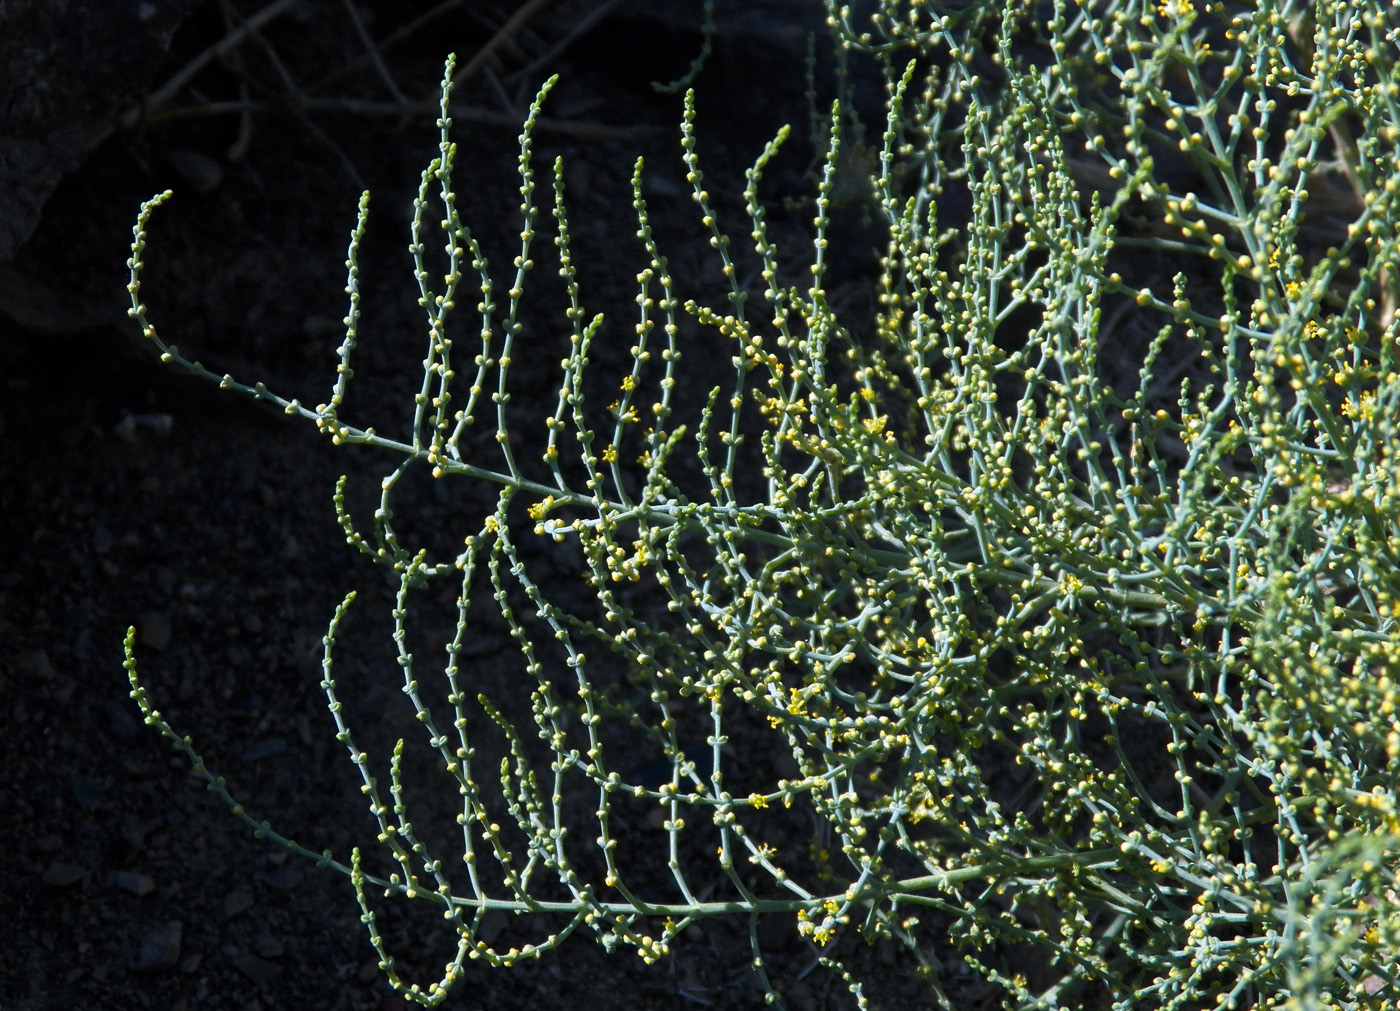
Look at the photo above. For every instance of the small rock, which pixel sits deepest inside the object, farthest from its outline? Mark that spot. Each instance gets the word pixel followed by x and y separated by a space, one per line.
pixel 101 540
pixel 157 424
pixel 125 429
pixel 136 884
pixel 286 878
pixel 268 946
pixel 61 874
pixel 266 748
pixel 134 832
pixel 155 630
pixel 492 924
pixel 259 970
pixel 160 948
pixel 121 721
pixel 200 172
pixel 35 664
pixel 238 901
pixel 87 792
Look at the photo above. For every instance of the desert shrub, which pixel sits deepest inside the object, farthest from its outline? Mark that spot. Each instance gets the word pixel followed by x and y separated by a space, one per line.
pixel 1087 671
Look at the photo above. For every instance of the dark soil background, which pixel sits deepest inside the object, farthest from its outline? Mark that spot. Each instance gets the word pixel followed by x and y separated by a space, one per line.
pixel 131 493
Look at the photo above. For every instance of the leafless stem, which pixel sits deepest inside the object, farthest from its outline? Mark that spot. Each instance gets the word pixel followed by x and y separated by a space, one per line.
pixel 235 38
